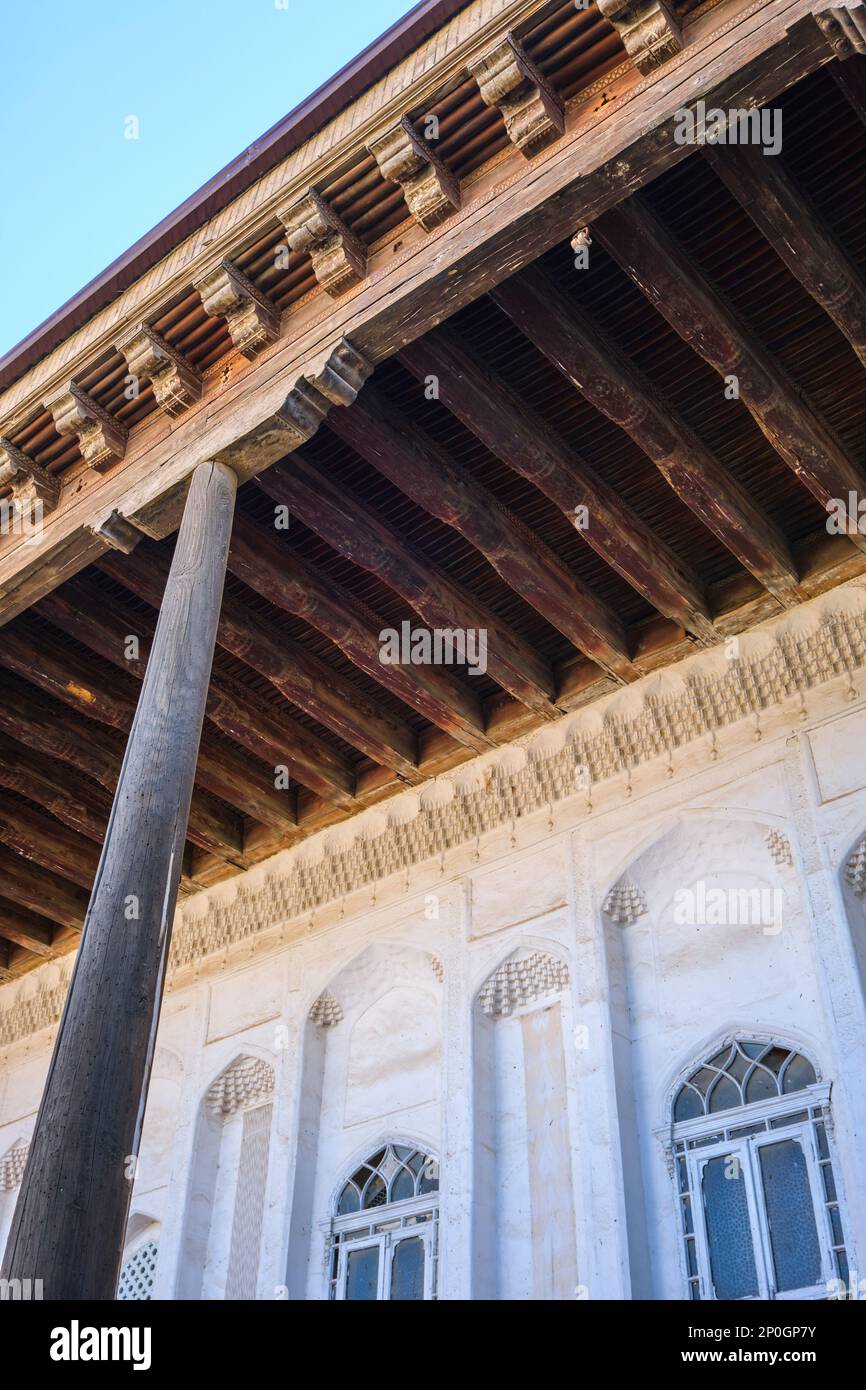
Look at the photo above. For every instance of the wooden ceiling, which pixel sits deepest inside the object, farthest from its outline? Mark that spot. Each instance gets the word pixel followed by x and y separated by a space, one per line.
pixel 601 387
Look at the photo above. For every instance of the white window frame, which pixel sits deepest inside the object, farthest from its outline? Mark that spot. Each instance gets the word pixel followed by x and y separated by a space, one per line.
pixel 810 1099
pixel 387 1242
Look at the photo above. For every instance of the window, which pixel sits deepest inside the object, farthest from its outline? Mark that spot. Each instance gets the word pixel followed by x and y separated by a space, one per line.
pixel 138 1273
pixel 384 1232
pixel 757 1198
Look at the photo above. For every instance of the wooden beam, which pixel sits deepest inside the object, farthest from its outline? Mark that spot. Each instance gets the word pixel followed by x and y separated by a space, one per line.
pixel 51 730
pixel 28 929
pixel 72 680
pixel 42 891
pixel 48 842
pixel 78 802
pixel 657 264
pixel 300 676
pixel 392 443
pixel 522 439
pixel 850 78
pixel 103 625
pixel 283 578
pixel 586 356
pixel 90 1118
pixel 650 30
pixel 787 217
pixel 354 530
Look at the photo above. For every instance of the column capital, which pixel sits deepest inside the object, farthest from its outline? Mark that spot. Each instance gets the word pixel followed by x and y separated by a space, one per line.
pixel 508 79
pixel 30 482
pixel 176 384
pixel 253 320
pixel 844 28
pixel 339 257
pixel 649 29
pixel 404 157
pixel 101 438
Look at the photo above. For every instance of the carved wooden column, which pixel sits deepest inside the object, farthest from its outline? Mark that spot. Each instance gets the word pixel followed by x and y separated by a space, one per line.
pixel 70 1220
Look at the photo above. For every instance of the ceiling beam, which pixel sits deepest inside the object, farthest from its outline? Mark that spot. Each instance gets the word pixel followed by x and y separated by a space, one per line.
pixel 644 248
pixel 50 729
pixel 786 216
pixel 44 840
pixel 78 803
pixel 355 530
pixel 284 579
pixel 523 440
pixel 301 677
pixel 86 613
pixel 414 463
pixel 578 346
pixel 42 891
pixel 29 930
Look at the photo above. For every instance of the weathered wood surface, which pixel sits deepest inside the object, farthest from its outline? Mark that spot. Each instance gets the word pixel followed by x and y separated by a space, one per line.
pixel 515 214
pixel 26 929
pixel 355 530
pixel 70 1219
pixel 789 220
pixel 578 346
pixel 42 891
pixel 522 439
pixel 389 440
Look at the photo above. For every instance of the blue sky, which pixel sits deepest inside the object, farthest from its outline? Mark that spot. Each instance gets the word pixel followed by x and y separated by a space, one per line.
pixel 204 77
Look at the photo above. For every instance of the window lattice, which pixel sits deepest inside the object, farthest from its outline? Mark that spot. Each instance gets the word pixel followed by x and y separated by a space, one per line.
pixel 741 1074
pixel 391 1175
pixel 138 1273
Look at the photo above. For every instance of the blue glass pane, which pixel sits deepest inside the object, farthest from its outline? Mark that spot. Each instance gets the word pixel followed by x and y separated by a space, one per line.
pixel 402 1186
pixel 791 1215
pixel 407 1270
pixel 799 1073
pixel 724 1096
pixel 688 1105
pixel 362 1279
pixel 732 1258
pixel 350 1200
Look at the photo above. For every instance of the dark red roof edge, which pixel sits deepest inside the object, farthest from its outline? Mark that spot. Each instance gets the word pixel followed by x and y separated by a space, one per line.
pixel 312 113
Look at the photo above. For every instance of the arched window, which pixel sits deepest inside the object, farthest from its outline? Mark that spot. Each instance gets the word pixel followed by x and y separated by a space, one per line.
pixel 383 1236
pixel 758 1203
pixel 138 1273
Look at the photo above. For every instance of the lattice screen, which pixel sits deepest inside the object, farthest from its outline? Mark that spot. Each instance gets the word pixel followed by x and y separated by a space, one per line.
pixel 137 1275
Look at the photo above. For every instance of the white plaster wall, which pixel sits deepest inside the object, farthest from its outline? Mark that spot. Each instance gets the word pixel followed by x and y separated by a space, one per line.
pixel 644 1002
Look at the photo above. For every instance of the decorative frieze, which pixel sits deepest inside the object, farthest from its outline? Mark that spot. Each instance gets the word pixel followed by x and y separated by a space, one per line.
pixel 248 1081
pixel 253 321
pixel 508 79
pixel 339 257
pixel 12 1165
pixel 649 30
pixel 326 1012
pixel 624 904
pixel 101 438
pixel 855 870
pixel 844 27
pixel 431 191
pixel 176 384
pixel 780 848
pixel 30 482
pixel 521 980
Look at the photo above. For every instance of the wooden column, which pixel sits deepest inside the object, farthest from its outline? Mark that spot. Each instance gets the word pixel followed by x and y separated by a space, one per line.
pixel 69 1224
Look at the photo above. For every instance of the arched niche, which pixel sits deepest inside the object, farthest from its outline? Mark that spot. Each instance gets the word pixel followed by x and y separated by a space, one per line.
pixel 226 1194
pixel 371 1058
pixel 523 1216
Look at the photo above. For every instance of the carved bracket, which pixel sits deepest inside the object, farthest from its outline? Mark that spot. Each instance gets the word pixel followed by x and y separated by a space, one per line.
pixel 101 438
pixel 253 321
pixel 339 257
pixel 844 27
pixel 118 533
pixel 431 191
pixel 649 30
pixel 508 79
pixel 29 480
pixel 175 383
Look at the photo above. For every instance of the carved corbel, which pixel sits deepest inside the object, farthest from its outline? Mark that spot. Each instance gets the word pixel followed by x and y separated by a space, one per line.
pixel 649 29
pixel 508 79
pixel 176 384
pixel 335 379
pixel 844 28
pixel 30 482
pixel 431 191
pixel 339 257
pixel 253 321
pixel 101 438
pixel 118 532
